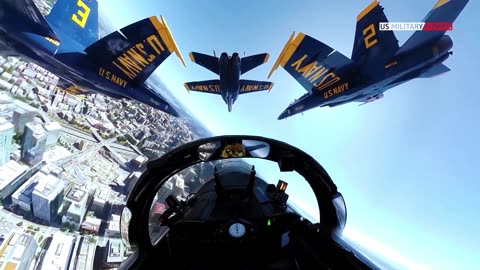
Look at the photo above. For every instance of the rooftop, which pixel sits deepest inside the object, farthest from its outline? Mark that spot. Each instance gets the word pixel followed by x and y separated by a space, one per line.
pixel 76 194
pixel 13 249
pixel 10 171
pixel 23 107
pixel 52 126
pixel 48 187
pixel 58 254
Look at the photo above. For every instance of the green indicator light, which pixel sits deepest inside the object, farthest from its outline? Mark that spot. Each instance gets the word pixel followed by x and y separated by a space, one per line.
pixel 269 222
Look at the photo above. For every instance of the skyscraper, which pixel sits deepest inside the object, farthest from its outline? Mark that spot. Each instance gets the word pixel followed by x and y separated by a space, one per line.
pixel 53 130
pixel 7 105
pixel 47 198
pixel 6 135
pixel 33 143
pixel 22 115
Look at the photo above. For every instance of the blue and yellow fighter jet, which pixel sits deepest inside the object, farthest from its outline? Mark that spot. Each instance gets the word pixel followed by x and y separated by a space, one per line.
pixel 377 63
pixel 229 69
pixel 66 42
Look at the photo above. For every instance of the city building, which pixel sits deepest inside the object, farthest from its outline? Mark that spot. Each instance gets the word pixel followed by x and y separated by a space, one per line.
pixel 12 176
pixel 23 195
pixel 114 253
pixel 113 229
pixel 178 187
pixel 85 254
pixel 53 169
pixel 165 190
pixel 7 105
pixel 33 143
pixel 53 130
pixel 92 224
pixel 59 253
pixel 18 251
pixel 99 201
pixel 47 198
pixel 22 115
pixel 138 161
pixel 77 198
pixel 6 135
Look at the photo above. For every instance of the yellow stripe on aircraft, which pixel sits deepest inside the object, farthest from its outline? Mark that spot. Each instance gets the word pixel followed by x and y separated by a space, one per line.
pixel 266 58
pixel 164 31
pixel 191 57
pixel 287 51
pixel 440 3
pixel 186 87
pixel 271 86
pixel 367 10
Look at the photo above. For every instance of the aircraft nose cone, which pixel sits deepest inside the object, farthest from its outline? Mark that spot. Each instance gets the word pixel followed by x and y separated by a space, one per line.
pixel 284 114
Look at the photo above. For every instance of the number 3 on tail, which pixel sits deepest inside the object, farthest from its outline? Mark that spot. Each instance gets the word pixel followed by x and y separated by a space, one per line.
pixel 81 16
pixel 369 33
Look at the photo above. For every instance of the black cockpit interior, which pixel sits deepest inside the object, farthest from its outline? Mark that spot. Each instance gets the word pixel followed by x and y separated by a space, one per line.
pixel 236 219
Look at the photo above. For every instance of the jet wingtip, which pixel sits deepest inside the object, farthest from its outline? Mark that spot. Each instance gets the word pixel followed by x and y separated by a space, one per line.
pixel 170 41
pixel 186 87
pixel 367 10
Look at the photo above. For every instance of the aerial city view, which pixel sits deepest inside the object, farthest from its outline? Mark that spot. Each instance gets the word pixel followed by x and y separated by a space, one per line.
pixel 67 163
pixel 92 97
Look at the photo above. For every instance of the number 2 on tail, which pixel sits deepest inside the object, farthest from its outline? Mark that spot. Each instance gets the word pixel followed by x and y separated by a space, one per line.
pixel 369 33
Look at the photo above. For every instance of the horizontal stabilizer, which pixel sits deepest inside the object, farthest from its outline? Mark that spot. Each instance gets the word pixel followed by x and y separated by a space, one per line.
pixel 310 62
pixel 247 86
pixel 443 11
pixel 134 52
pixel 253 61
pixel 211 86
pixel 207 61
pixel 434 71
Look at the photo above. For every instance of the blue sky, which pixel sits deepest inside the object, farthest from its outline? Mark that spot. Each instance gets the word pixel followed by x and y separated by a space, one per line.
pixel 407 165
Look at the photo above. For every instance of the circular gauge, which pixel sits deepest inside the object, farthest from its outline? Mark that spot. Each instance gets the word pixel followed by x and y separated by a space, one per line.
pixel 237 230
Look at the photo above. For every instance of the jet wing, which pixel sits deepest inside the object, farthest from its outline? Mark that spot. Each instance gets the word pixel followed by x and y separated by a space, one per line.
pixel 207 61
pixel 253 61
pixel 28 10
pixel 434 71
pixel 311 62
pixel 134 52
pixel 211 86
pixel 443 11
pixel 247 86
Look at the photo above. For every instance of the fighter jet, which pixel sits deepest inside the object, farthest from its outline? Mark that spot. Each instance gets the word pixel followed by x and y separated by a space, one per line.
pixel 66 42
pixel 377 63
pixel 229 69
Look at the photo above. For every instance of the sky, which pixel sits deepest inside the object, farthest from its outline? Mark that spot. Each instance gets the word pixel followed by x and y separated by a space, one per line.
pixel 407 165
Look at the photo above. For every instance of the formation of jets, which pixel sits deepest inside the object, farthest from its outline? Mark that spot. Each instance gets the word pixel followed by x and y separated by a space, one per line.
pixel 66 42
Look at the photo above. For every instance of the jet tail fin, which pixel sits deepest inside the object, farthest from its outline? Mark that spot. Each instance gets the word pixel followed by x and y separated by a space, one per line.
pixel 372 47
pixel 134 52
pixel 78 18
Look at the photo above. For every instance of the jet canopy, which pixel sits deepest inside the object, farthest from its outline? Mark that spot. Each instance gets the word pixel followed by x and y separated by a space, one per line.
pixel 227 179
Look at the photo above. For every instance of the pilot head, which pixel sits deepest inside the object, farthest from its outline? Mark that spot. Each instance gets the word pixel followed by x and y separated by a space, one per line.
pixel 233 151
